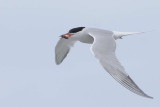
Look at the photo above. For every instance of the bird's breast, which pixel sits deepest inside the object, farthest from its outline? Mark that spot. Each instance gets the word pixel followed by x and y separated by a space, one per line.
pixel 86 39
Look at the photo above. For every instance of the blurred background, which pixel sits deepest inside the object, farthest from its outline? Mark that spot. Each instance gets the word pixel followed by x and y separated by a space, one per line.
pixel 30 29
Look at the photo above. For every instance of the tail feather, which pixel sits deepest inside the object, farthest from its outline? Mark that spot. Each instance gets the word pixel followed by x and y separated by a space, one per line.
pixel 119 35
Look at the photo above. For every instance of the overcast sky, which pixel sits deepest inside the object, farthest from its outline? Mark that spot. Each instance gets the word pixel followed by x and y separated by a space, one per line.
pixel 30 29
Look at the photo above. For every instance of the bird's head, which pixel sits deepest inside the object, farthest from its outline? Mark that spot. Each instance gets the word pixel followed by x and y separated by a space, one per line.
pixel 72 32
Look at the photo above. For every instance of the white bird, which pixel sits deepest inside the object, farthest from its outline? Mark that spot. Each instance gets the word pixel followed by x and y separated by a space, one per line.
pixel 103 47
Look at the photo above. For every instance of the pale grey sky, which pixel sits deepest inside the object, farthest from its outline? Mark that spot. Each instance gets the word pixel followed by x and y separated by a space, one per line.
pixel 29 31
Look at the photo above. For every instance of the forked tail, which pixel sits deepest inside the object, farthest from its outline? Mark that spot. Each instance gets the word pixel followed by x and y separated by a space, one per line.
pixel 119 35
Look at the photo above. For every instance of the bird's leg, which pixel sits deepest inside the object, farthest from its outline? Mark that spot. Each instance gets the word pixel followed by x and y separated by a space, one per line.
pixel 120 37
pixel 117 37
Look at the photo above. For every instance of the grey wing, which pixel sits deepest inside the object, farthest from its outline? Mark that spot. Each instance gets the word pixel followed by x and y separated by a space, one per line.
pixel 62 49
pixel 104 50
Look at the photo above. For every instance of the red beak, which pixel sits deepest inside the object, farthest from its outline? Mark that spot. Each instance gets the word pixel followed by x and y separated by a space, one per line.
pixel 66 36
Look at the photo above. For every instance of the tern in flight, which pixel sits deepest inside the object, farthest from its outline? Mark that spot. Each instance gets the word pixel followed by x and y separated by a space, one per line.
pixel 103 48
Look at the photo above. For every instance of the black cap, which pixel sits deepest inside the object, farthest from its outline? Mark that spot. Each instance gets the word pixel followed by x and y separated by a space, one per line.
pixel 75 30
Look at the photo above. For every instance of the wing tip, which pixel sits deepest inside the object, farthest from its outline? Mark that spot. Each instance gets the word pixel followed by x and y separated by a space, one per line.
pixel 150 97
pixel 147 96
pixel 57 62
pixel 142 93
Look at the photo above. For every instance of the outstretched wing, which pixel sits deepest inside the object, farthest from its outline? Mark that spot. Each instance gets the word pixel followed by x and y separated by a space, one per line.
pixel 62 48
pixel 104 50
